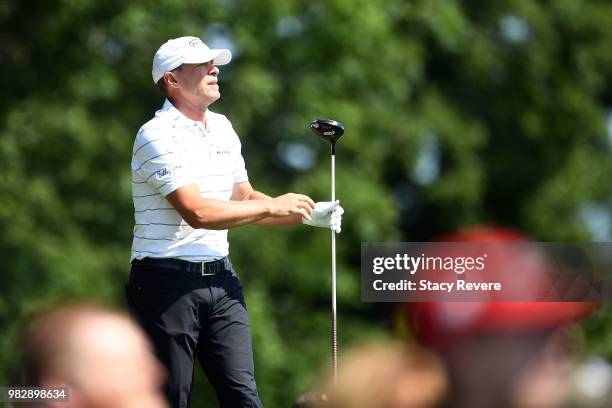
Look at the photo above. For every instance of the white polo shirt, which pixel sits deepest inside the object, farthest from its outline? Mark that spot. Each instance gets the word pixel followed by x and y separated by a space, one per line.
pixel 171 151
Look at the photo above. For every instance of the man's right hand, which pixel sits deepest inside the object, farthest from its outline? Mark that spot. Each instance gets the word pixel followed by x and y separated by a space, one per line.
pixel 290 204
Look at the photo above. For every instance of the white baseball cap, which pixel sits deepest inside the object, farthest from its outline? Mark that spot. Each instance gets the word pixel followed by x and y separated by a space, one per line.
pixel 186 50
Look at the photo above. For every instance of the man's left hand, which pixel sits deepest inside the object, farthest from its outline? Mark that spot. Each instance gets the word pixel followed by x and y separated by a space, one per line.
pixel 326 214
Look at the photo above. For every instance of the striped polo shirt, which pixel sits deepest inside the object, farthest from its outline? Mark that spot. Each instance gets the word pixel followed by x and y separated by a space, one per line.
pixel 172 151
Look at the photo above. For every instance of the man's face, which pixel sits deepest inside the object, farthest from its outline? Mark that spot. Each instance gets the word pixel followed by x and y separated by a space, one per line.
pixel 198 82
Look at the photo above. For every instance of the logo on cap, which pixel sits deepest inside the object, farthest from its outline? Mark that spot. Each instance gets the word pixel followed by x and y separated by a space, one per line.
pixel 195 42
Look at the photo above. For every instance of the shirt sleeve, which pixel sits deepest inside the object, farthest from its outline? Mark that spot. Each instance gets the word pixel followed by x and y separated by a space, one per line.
pixel 158 160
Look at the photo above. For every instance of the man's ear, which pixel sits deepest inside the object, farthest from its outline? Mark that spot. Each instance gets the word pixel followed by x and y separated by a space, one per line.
pixel 170 79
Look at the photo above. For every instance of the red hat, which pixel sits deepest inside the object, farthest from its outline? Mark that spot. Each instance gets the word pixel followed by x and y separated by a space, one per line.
pixel 440 323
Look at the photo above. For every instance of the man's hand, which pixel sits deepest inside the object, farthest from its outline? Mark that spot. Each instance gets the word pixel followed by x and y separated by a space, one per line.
pixel 326 214
pixel 291 203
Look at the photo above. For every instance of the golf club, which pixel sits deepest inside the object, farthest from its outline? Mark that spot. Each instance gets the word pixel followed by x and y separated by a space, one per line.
pixel 330 131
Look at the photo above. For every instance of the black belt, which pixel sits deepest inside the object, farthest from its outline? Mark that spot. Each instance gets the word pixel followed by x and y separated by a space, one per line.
pixel 201 268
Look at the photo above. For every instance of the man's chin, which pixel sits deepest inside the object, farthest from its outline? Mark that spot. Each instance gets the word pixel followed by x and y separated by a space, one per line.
pixel 215 97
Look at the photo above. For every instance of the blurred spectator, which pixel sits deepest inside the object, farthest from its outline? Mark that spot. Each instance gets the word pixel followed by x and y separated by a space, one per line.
pixel 502 354
pixel 99 354
pixel 385 376
pixel 310 400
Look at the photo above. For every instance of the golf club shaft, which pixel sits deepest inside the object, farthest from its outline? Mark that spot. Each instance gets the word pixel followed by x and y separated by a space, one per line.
pixel 333 240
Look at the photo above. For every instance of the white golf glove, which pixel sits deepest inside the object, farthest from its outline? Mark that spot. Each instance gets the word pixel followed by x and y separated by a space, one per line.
pixel 326 214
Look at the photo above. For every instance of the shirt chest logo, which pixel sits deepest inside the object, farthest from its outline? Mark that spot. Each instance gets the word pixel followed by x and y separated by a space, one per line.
pixel 218 152
pixel 221 152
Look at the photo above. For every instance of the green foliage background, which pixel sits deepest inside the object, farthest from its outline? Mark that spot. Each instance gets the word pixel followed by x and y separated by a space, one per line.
pixel 457 113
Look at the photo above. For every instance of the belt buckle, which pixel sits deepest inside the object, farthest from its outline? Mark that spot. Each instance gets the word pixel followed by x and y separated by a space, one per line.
pixel 203 270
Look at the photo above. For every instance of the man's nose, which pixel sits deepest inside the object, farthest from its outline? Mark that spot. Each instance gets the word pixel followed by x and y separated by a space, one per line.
pixel 214 70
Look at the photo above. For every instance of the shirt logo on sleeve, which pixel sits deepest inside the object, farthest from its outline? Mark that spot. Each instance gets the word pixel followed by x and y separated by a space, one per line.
pixel 166 172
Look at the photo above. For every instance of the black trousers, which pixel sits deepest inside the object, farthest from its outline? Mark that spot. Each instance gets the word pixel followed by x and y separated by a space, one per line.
pixel 186 314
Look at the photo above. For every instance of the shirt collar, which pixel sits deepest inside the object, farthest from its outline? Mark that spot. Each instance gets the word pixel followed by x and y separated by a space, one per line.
pixel 176 115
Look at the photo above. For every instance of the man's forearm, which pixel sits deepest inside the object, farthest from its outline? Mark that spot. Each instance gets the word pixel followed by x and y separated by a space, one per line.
pixel 219 215
pixel 257 195
pixel 209 213
pixel 279 222
pixel 274 221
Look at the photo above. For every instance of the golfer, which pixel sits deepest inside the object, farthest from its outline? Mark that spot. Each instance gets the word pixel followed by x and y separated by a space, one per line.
pixel 189 186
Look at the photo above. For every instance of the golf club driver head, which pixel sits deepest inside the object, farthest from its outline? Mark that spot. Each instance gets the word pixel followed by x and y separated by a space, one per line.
pixel 327 129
